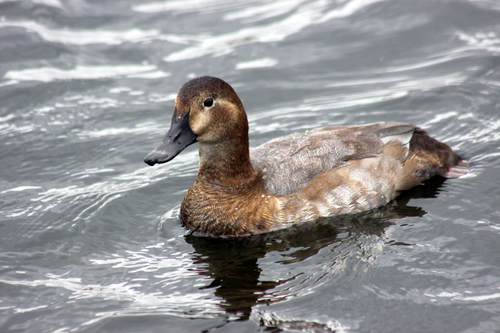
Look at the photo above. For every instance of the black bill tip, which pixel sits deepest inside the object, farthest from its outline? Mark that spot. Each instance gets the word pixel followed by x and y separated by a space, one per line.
pixel 155 157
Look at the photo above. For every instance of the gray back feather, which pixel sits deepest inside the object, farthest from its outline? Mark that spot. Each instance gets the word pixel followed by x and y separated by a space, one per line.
pixel 290 162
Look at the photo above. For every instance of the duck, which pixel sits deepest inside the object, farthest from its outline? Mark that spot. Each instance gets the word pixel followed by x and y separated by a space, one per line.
pixel 301 177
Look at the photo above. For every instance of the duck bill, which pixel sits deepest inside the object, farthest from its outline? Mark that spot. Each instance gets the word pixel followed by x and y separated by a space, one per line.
pixel 178 137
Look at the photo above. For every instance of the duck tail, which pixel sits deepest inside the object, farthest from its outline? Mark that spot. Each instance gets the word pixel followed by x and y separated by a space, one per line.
pixel 435 158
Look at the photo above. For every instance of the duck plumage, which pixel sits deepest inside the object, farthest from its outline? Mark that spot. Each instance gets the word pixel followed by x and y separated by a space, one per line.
pixel 296 178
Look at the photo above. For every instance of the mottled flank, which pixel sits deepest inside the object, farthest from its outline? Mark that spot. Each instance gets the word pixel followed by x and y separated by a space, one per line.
pixel 296 178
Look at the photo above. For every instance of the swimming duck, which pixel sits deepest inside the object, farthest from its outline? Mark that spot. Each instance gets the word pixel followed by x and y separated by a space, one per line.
pixel 292 179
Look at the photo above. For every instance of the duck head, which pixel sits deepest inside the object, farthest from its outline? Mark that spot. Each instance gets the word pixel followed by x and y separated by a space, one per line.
pixel 207 110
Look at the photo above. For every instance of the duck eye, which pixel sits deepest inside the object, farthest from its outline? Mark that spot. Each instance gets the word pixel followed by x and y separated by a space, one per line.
pixel 208 102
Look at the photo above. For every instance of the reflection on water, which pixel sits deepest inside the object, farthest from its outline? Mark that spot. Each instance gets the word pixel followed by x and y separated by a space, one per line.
pixel 233 264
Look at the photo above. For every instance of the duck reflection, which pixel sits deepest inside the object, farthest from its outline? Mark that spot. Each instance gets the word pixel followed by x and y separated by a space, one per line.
pixel 233 263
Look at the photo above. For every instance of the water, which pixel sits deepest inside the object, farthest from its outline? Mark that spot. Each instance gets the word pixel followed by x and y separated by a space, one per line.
pixel 89 238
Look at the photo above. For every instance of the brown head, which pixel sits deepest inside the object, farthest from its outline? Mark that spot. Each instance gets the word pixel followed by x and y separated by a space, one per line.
pixel 207 110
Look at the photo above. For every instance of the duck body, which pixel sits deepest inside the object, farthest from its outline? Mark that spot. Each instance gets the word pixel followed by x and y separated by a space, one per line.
pixel 292 179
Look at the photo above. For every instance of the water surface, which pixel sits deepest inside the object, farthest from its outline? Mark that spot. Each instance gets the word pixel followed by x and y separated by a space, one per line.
pixel 89 235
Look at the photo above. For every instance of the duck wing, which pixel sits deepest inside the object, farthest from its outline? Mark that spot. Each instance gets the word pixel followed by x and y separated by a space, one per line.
pixel 290 162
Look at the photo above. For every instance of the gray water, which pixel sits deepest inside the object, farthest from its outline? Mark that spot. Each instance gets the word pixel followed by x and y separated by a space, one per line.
pixel 89 235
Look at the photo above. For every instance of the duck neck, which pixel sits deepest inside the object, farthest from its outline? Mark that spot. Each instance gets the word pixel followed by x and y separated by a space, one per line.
pixel 226 163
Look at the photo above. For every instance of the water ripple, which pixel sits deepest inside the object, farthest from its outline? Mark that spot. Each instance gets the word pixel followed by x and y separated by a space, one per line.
pixel 185 6
pixel 49 74
pixel 84 37
pixel 90 234
pixel 276 31
pixel 488 41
